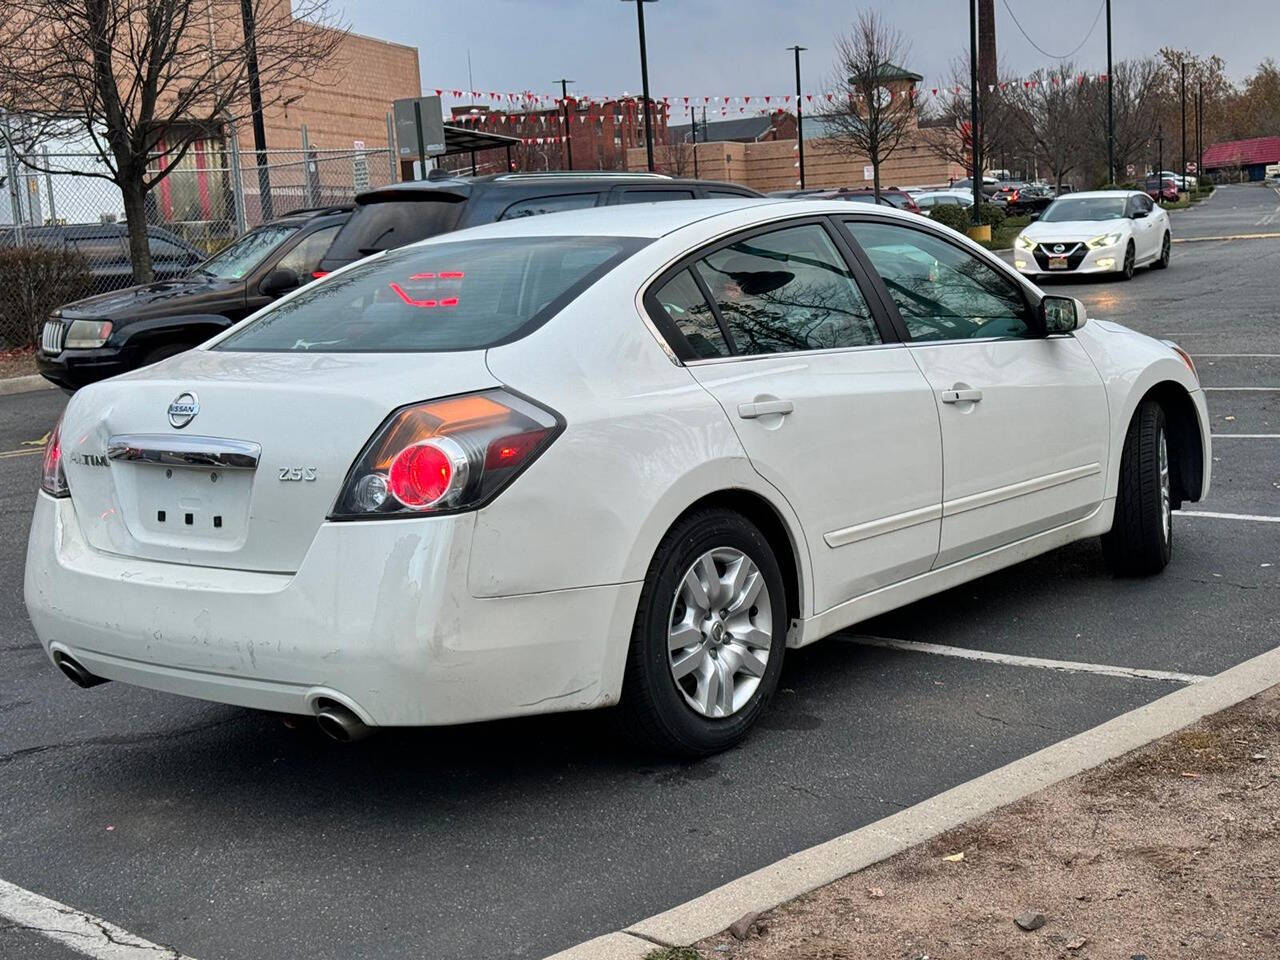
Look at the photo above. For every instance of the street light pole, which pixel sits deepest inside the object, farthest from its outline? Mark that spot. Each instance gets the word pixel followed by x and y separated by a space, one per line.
pixel 1199 130
pixel 973 110
pixel 564 101
pixel 644 81
pixel 255 108
pixel 1183 171
pixel 799 114
pixel 1111 116
pixel 1160 159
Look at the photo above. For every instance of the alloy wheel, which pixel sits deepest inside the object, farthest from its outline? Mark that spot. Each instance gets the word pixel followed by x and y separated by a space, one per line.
pixel 720 632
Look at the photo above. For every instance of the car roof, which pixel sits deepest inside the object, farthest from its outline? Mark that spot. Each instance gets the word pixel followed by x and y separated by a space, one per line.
pixel 1087 194
pixel 653 220
pixel 532 182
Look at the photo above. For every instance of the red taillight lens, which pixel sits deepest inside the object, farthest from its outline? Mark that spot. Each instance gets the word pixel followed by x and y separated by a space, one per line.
pixel 53 480
pixel 319 274
pixel 456 453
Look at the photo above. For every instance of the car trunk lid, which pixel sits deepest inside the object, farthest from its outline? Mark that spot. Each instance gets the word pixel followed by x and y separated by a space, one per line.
pixel 266 443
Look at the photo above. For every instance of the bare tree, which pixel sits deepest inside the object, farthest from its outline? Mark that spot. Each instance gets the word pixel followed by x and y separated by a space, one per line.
pixel 1046 110
pixel 143 80
pixel 875 108
pixel 1137 87
pixel 946 124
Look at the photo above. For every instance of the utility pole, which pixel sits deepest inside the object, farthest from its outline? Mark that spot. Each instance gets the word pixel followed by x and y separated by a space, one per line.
pixel 1159 160
pixel 693 128
pixel 1183 171
pixel 799 114
pixel 973 110
pixel 644 80
pixel 1199 131
pixel 1111 116
pixel 564 100
pixel 255 106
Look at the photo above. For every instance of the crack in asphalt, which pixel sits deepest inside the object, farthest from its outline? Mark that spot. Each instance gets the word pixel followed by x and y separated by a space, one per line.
pixel 118 740
pixel 1022 723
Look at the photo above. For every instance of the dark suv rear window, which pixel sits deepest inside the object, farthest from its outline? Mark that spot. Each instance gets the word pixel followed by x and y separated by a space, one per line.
pixel 453 295
pixel 387 224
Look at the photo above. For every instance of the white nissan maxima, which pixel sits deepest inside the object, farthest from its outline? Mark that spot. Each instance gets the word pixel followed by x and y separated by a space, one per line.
pixel 628 454
pixel 1105 231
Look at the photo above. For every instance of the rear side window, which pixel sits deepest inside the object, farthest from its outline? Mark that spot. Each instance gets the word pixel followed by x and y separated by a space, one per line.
pixel 896 199
pixel 539 205
pixel 375 227
pixel 726 194
pixel 652 196
pixel 688 309
pixel 460 295
pixel 305 257
pixel 100 248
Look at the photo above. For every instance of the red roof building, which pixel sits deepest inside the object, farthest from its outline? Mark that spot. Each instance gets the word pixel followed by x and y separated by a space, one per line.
pixel 1250 156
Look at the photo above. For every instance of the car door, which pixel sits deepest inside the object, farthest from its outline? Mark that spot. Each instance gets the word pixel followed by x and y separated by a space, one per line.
pixel 1146 241
pixel 831 410
pixel 1024 417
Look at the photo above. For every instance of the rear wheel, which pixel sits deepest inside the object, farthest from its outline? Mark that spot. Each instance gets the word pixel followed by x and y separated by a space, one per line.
pixel 1165 247
pixel 708 640
pixel 1126 268
pixel 1140 541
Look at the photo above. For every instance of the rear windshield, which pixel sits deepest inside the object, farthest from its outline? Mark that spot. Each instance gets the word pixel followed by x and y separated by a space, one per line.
pixel 375 227
pixel 459 295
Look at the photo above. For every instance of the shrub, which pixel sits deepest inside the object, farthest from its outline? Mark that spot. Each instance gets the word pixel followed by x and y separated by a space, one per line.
pixel 991 215
pixel 955 217
pixel 33 282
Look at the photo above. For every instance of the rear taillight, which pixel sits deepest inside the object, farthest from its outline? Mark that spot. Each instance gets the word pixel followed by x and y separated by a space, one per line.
pixel 53 480
pixel 446 455
pixel 319 274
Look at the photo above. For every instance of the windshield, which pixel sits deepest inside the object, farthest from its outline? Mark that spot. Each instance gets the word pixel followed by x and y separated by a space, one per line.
pixel 1085 208
pixel 237 261
pixel 460 295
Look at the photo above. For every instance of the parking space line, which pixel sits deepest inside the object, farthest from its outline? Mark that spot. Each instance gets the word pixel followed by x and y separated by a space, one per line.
pixel 1246 436
pixel 1241 389
pixel 76 929
pixel 9 454
pixel 1013 660
pixel 1250 356
pixel 1257 518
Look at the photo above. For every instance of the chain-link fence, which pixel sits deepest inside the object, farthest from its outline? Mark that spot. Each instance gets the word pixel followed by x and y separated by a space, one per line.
pixel 62 230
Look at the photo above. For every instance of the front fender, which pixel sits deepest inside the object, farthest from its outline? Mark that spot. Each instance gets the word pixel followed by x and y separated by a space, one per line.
pixel 190 328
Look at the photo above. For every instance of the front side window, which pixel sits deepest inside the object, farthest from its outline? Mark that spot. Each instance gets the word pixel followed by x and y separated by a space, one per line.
pixel 456 295
pixel 942 291
pixel 539 205
pixel 787 290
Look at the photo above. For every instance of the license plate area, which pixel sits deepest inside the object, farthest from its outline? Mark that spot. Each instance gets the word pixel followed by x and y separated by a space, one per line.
pixel 204 508
pixel 1058 263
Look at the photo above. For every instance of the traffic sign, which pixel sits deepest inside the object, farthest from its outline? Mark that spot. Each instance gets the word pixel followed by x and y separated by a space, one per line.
pixel 419 126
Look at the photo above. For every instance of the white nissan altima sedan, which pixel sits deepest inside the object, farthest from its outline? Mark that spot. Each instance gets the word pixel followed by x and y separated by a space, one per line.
pixel 628 454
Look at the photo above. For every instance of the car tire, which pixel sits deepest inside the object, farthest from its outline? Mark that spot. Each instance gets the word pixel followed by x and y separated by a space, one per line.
pixel 1166 247
pixel 1126 267
pixel 165 352
pixel 675 699
pixel 1140 541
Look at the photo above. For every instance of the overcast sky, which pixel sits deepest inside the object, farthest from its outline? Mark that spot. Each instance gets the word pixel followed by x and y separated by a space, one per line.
pixel 736 47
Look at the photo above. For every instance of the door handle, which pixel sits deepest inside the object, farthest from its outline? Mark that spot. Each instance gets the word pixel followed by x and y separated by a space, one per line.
pixel 961 396
pixel 749 411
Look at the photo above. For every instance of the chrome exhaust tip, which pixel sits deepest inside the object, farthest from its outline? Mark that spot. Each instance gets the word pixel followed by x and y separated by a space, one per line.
pixel 76 673
pixel 341 723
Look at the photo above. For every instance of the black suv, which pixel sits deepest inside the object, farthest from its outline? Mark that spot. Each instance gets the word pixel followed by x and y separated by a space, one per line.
pixel 105 248
pixel 100 336
pixel 404 212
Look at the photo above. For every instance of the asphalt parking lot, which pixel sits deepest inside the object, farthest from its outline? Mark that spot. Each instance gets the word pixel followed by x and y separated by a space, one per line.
pixel 226 836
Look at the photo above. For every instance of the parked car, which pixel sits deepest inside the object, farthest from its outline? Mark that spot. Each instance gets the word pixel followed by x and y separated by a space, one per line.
pixel 625 454
pixel 928 202
pixel 1007 192
pixel 1187 182
pixel 111 333
pixel 105 248
pixel 392 216
pixel 893 196
pixel 1029 198
pixel 989 185
pixel 1101 231
pixel 1159 188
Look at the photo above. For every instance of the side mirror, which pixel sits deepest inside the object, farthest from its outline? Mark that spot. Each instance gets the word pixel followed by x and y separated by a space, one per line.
pixel 1035 215
pixel 1061 314
pixel 279 282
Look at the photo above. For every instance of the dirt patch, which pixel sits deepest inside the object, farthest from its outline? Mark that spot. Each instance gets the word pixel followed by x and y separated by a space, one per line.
pixel 1170 851
pixel 17 363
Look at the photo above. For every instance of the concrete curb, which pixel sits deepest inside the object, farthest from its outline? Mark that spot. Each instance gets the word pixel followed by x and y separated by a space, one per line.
pixel 819 865
pixel 12 385
pixel 1233 236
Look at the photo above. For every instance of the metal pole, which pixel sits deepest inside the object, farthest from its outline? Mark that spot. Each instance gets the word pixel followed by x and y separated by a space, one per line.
pixel 1183 171
pixel 644 81
pixel 693 126
pixel 564 100
pixel 308 184
pixel 422 147
pixel 48 185
pixel 799 114
pixel 1111 118
pixel 237 184
pixel 11 173
pixel 391 149
pixel 973 109
pixel 1160 155
pixel 255 106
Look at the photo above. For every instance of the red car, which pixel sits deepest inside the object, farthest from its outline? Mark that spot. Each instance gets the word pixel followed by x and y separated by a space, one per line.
pixel 1162 189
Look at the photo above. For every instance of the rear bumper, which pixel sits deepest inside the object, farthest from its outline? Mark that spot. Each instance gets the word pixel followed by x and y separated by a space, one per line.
pixel 378 617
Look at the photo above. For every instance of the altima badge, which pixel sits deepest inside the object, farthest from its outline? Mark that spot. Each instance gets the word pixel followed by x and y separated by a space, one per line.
pixel 183 409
